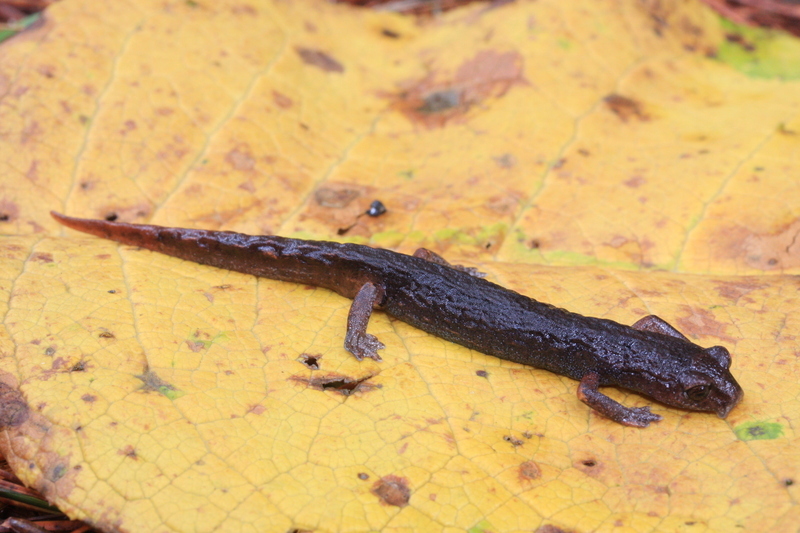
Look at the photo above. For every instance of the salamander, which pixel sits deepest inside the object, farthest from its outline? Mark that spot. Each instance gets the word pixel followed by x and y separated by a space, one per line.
pixel 650 357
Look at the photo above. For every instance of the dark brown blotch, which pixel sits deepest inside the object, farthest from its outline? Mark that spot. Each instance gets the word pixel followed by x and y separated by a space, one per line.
pixel 528 471
pixel 392 490
pixel 128 451
pixel 344 385
pixel 319 59
pixel 42 257
pixel 625 108
pixel 14 410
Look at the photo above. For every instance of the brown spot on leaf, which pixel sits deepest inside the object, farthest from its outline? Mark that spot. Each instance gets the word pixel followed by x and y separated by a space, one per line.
pixel 434 102
pixel 132 213
pixel 9 211
pixel 31 130
pixel 196 346
pixel 13 408
pixel 515 442
pixel 528 471
pixel 281 100
pixel 344 385
pixel 482 373
pixel 340 206
pixel 625 108
pixel 505 204
pixel 33 171
pixel 506 161
pixel 702 322
pixel 257 409
pixel 635 182
pixel 489 73
pixel 128 451
pixel 89 398
pixel 440 101
pixel 550 528
pixel 42 257
pixel 740 40
pixel 392 490
pixel 240 158
pixel 734 290
pixel 617 241
pixel 771 251
pixel 363 476
pixel 320 59
pixel 128 125
pixel 338 196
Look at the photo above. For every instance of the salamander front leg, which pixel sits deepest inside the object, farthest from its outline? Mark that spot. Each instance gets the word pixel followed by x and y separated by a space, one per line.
pixel 639 417
pixel 433 257
pixel 357 341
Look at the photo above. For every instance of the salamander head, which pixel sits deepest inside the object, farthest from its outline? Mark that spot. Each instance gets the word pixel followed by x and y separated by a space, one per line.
pixel 706 384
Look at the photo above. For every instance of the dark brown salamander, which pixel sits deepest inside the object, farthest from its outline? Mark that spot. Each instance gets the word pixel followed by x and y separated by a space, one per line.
pixel 651 357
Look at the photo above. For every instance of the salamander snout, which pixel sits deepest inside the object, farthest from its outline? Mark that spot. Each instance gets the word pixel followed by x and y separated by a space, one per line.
pixel 709 385
pixel 731 395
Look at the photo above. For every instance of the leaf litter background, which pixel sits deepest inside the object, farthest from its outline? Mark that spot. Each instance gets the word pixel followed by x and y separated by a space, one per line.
pixel 615 158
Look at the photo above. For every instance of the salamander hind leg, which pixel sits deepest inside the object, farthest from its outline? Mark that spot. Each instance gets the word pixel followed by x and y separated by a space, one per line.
pixel 433 257
pixel 357 341
pixel 639 417
pixel 654 324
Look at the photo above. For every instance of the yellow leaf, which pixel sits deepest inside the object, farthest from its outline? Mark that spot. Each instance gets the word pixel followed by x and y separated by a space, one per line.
pixel 616 159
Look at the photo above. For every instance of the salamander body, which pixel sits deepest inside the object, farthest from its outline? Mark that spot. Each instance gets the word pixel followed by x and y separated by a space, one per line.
pixel 650 357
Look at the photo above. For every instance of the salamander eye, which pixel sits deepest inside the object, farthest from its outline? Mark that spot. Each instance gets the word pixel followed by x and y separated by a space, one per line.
pixel 698 393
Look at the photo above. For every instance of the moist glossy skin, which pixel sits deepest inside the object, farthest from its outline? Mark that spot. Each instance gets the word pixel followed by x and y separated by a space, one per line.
pixel 650 357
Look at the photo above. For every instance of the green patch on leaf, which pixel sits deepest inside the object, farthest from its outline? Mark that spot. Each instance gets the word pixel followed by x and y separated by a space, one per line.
pixel 759 52
pixel 388 239
pixel 758 431
pixel 407 174
pixel 170 392
pixel 483 237
pixel 481 527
